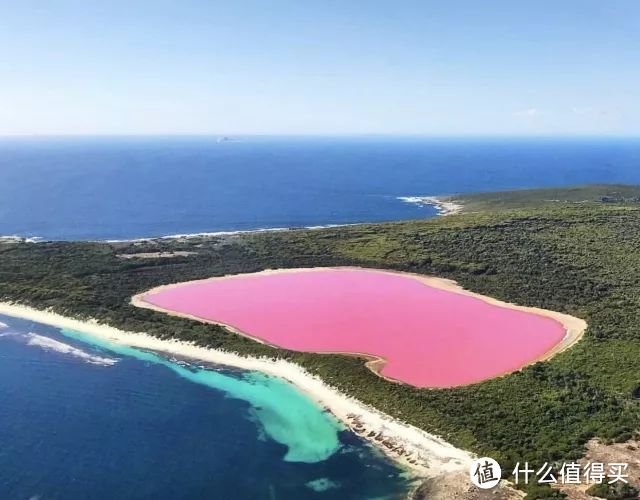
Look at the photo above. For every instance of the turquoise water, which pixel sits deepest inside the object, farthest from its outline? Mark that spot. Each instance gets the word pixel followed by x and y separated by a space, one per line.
pixel 285 414
pixel 85 418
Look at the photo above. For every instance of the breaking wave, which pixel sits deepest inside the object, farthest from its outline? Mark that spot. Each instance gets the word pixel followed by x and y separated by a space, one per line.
pixel 49 344
pixel 419 200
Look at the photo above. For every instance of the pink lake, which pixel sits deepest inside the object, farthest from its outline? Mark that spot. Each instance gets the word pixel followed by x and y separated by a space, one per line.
pixel 429 337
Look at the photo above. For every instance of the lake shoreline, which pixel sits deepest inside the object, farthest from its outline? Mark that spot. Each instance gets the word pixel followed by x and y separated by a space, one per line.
pixel 419 452
pixel 574 327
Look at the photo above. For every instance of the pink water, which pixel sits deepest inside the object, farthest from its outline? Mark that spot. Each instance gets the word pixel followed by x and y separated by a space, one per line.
pixel 429 337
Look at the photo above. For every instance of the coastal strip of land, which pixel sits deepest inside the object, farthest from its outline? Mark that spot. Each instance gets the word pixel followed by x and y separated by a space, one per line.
pixel 424 454
pixel 443 204
pixel 574 327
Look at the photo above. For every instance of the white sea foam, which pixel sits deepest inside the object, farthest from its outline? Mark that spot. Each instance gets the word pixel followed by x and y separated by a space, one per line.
pixel 49 344
pixel 3 325
pixel 442 205
pixel 20 239
pixel 418 200
pixel 227 233
pixel 182 236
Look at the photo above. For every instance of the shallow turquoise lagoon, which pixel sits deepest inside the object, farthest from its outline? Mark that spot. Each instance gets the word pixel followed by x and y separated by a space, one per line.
pixel 85 418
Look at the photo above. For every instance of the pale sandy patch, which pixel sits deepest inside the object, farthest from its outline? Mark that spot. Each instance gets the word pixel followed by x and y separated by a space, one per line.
pixel 599 452
pixel 155 255
pixel 458 487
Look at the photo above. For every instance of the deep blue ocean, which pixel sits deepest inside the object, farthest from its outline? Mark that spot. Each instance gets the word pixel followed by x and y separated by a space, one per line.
pixel 120 188
pixel 81 418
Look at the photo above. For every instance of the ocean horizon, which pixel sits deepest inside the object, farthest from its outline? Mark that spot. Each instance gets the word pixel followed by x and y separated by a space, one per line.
pixel 130 187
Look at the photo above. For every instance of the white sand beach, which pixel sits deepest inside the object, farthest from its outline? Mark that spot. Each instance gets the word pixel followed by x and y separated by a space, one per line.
pixel 424 454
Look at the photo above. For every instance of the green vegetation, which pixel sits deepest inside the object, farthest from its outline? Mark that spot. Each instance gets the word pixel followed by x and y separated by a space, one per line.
pixel 615 491
pixel 577 257
pixel 543 492
pixel 591 194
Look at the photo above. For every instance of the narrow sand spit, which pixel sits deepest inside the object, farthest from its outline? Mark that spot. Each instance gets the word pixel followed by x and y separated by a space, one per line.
pixel 573 327
pixel 424 454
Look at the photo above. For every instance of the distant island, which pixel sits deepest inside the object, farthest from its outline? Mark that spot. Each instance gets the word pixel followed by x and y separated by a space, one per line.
pixel 570 250
pixel 226 138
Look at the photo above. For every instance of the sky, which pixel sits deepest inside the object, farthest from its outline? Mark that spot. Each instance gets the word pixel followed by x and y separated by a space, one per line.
pixel 320 67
